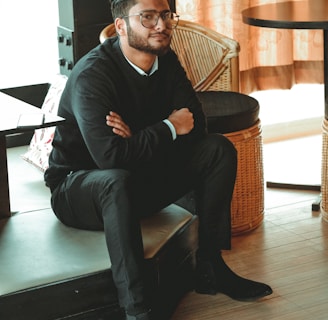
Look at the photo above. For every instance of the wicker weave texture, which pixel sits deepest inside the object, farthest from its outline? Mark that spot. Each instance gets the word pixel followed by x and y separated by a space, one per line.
pixel 207 56
pixel 247 206
pixel 324 171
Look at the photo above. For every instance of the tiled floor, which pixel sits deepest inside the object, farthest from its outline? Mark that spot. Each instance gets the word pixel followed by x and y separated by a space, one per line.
pixel 289 252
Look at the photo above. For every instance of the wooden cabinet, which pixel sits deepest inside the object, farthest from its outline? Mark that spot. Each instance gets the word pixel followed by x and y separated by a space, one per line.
pixel 80 22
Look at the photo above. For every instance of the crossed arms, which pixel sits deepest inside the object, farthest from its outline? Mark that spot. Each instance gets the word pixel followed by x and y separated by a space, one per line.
pixel 182 120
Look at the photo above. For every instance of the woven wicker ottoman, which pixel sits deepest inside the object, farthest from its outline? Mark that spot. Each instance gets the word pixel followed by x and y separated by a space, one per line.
pixel 237 117
pixel 324 170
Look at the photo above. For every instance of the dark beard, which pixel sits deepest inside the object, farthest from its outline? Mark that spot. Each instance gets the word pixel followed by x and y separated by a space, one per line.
pixel 140 44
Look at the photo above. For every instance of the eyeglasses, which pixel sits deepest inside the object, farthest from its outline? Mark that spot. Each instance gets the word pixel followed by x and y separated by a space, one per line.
pixel 149 18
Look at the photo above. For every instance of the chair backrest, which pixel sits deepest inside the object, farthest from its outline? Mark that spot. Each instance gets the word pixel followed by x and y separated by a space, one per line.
pixel 210 59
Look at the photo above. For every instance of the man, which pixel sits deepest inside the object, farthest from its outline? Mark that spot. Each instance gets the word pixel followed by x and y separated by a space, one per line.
pixel 136 141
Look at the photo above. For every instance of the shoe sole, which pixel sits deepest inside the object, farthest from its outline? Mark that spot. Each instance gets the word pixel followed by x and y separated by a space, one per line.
pixel 242 299
pixel 249 299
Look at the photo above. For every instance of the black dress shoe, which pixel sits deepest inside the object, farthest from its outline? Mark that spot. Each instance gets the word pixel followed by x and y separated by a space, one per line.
pixel 246 290
pixel 213 277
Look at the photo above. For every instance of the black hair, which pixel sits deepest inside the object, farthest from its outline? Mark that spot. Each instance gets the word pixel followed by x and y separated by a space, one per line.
pixel 121 8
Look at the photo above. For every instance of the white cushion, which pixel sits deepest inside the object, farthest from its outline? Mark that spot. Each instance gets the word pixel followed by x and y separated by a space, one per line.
pixel 41 142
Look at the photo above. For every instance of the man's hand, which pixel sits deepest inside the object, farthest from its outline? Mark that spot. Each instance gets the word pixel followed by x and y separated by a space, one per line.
pixel 182 120
pixel 119 127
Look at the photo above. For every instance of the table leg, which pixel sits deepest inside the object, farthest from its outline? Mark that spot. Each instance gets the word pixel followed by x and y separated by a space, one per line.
pixel 4 186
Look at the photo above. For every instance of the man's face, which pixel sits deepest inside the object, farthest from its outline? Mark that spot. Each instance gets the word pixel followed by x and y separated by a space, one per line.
pixel 155 40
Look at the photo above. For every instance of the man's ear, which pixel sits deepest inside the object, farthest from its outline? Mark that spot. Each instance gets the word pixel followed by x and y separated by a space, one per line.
pixel 120 26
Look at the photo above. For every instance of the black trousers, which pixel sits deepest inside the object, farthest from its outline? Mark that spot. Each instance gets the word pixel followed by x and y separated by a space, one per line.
pixel 115 200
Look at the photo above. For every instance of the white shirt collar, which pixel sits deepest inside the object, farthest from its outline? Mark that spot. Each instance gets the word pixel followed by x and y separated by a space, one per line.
pixel 140 71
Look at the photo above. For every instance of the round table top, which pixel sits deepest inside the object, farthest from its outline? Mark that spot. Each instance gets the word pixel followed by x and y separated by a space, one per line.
pixel 289 15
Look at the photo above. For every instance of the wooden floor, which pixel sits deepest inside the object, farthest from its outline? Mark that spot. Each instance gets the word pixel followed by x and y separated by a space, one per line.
pixel 289 251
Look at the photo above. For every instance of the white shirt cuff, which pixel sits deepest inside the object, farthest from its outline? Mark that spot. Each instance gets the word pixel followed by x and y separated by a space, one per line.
pixel 171 126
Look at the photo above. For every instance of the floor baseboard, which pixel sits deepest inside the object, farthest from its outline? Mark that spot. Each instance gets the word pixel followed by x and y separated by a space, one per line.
pixel 292 129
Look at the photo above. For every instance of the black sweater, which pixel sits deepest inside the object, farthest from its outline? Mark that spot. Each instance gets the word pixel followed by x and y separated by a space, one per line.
pixel 104 81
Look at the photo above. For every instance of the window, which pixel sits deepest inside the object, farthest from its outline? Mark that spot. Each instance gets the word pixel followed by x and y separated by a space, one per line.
pixel 29 51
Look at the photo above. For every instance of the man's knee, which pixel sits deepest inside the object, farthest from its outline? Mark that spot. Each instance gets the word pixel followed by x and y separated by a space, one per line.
pixel 221 145
pixel 215 152
pixel 112 179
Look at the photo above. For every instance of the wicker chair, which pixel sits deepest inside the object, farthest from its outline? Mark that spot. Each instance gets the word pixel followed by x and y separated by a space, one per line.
pixel 211 62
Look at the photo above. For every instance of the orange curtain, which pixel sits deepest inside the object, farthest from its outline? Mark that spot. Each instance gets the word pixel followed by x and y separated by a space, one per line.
pixel 269 58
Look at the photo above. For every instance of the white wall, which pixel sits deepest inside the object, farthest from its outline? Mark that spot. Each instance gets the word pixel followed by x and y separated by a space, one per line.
pixel 28 42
